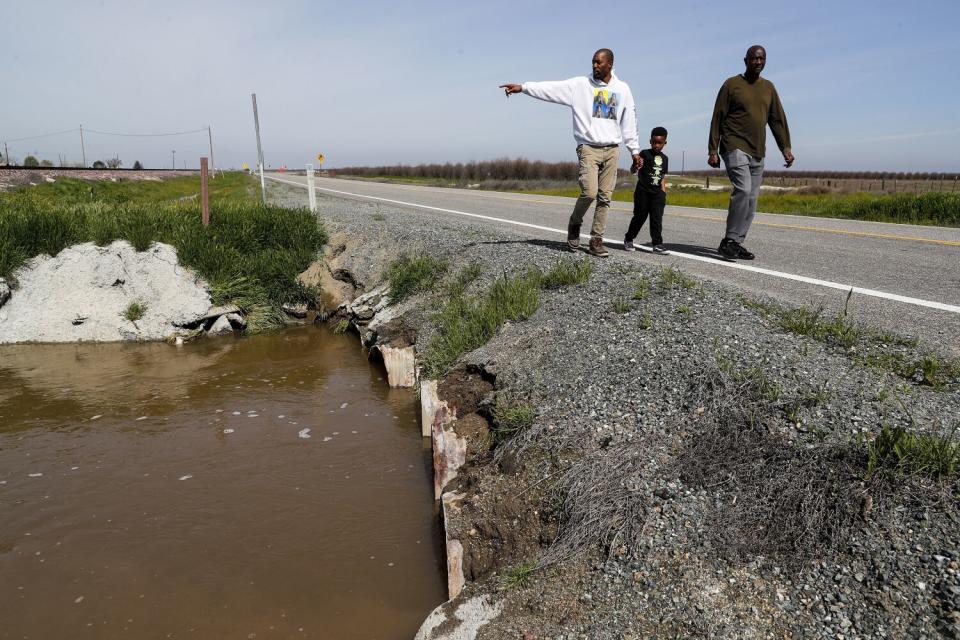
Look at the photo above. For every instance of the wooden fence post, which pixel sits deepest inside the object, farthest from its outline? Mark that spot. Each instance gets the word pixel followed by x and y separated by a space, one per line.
pixel 204 192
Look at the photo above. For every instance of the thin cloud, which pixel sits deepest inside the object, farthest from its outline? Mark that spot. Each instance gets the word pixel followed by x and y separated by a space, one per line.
pixel 703 116
pixel 887 138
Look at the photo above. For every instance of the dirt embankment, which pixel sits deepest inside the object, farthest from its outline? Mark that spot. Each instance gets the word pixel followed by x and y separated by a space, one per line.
pixel 649 455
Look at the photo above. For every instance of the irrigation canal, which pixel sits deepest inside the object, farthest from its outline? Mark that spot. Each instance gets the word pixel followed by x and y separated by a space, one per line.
pixel 269 487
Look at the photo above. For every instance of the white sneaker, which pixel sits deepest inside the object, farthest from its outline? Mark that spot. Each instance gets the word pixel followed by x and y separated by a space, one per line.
pixel 628 246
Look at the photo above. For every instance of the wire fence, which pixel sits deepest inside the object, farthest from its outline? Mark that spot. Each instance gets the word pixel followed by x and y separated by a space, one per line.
pixel 22 152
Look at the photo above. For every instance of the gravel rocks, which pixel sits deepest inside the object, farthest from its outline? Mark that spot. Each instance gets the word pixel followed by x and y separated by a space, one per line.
pixel 626 376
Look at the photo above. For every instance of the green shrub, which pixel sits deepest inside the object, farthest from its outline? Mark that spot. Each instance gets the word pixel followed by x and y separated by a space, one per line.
pixel 566 272
pixel 899 450
pixel 673 278
pixel 409 275
pixel 518 576
pixel 135 310
pixel 511 418
pixel 464 323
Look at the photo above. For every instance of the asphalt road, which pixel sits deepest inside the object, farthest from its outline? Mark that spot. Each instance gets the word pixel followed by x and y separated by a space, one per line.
pixel 906 278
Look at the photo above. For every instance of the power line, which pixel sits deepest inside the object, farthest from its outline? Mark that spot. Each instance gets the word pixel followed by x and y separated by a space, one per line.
pixel 45 135
pixel 146 135
pixel 108 133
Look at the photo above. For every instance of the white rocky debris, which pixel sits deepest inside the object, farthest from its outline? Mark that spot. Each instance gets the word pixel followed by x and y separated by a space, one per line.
pixel 84 292
pixel 459 619
pixel 221 326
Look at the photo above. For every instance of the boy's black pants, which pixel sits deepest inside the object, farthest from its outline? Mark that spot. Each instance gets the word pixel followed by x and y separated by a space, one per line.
pixel 647 204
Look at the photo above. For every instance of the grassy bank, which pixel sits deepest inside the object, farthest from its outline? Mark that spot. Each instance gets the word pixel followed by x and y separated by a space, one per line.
pixel 934 209
pixel 250 254
pixel 226 187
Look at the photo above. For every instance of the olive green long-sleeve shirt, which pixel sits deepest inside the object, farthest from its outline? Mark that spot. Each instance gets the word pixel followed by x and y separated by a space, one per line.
pixel 741 115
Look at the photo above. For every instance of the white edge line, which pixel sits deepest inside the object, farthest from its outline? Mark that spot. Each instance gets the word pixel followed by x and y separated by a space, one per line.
pixel 732 265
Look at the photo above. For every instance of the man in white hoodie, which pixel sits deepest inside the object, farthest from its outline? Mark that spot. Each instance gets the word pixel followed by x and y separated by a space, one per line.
pixel 603 118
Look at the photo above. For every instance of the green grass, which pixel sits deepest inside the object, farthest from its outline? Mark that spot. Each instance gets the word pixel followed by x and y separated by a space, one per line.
pixel 898 450
pixel 250 254
pixel 645 321
pixel 465 323
pixel 621 305
pixel 135 310
pixel 641 288
pixel 566 272
pixel 813 323
pixel 937 209
pixel 227 187
pixel 511 418
pixel 839 330
pixel 342 327
pixel 464 278
pixel 409 275
pixel 928 370
pixel 672 278
pixel 518 576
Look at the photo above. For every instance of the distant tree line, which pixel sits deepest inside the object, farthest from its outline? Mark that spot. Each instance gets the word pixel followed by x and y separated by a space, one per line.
pixel 500 169
pixel 523 169
pixel 110 163
pixel 843 175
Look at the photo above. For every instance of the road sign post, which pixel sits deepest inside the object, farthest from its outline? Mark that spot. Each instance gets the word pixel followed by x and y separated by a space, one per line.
pixel 311 192
pixel 204 192
pixel 256 125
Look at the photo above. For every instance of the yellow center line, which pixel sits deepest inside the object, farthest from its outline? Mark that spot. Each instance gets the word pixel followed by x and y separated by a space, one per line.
pixel 780 225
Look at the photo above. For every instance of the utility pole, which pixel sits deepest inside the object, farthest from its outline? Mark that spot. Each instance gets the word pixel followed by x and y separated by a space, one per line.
pixel 83 148
pixel 683 159
pixel 6 155
pixel 173 161
pixel 256 124
pixel 213 167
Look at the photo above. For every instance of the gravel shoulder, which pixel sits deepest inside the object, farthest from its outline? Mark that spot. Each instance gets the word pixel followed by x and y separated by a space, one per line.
pixel 692 469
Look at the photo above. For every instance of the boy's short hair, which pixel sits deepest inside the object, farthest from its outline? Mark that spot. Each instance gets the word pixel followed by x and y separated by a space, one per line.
pixel 658 131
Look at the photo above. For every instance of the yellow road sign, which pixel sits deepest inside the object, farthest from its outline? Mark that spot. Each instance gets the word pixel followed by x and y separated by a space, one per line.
pixel 245 166
pixel 320 158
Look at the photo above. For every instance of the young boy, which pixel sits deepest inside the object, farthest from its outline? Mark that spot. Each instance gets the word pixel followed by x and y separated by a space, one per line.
pixel 651 193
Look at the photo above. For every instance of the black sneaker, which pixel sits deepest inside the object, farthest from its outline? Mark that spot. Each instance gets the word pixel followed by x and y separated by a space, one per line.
pixel 659 248
pixel 742 253
pixel 728 249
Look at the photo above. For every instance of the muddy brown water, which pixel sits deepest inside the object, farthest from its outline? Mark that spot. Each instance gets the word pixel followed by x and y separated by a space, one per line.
pixel 149 491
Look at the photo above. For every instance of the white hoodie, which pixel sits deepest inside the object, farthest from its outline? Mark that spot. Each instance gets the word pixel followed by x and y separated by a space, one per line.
pixel 603 112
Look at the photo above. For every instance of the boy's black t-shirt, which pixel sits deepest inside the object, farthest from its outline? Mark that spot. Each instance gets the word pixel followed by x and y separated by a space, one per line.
pixel 653 172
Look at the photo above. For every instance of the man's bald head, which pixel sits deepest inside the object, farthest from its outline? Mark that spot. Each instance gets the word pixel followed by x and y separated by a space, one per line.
pixel 755 61
pixel 602 65
pixel 607 52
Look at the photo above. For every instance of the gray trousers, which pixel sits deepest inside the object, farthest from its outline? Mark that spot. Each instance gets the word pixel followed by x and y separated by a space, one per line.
pixel 746 175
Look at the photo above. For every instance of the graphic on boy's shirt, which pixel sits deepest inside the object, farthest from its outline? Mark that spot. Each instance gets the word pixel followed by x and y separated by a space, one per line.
pixel 653 172
pixel 605 104
pixel 657 173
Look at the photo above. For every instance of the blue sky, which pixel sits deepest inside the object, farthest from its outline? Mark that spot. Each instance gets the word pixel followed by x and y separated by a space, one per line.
pixel 866 85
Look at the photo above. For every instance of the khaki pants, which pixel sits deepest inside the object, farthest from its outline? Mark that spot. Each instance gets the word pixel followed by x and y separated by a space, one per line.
pixel 598 177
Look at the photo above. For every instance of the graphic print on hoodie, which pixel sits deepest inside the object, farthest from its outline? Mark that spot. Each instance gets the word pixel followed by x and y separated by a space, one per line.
pixel 605 104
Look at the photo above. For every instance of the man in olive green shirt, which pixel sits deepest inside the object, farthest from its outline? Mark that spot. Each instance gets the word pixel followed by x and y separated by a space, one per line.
pixel 746 104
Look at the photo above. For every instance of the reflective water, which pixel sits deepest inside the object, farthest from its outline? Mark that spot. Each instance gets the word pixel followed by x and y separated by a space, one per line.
pixel 270 487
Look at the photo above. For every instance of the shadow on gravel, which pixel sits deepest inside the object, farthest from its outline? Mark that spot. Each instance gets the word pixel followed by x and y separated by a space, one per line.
pixel 555 245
